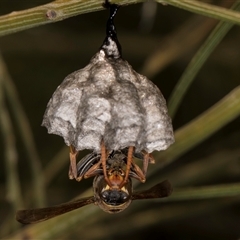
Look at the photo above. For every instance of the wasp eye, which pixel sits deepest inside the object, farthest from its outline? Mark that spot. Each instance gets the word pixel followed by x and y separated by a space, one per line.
pixel 114 197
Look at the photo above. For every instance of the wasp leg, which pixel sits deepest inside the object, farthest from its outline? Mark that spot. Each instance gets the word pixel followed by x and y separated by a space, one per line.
pixel 128 166
pixel 73 166
pixel 145 163
pixel 103 160
pixel 151 158
pixel 148 158
pixel 140 175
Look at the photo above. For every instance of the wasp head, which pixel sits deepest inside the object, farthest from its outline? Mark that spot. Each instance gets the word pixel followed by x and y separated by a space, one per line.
pixel 114 198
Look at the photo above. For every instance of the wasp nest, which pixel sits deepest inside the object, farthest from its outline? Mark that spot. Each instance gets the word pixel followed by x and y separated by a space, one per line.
pixel 107 100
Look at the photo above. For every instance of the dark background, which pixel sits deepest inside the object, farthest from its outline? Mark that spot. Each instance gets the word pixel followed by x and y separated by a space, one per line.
pixel 39 59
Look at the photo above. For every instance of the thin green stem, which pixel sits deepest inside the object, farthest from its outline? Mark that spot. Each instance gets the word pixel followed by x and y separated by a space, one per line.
pixel 52 12
pixel 196 64
pixel 200 128
pixel 170 49
pixel 21 120
pixel 219 165
pixel 205 192
pixel 56 164
pixel 10 156
pixel 205 9
pixel 62 9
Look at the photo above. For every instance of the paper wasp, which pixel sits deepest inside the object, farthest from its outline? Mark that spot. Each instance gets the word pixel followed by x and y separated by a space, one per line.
pixel 112 196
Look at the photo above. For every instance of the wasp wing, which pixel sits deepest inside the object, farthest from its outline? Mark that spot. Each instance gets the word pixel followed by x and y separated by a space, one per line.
pixel 86 163
pixel 41 214
pixel 161 190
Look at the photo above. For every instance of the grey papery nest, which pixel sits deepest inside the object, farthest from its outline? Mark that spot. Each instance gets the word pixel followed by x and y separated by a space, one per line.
pixel 108 101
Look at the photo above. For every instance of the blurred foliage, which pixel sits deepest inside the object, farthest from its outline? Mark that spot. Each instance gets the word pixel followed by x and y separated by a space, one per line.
pixel 159 41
